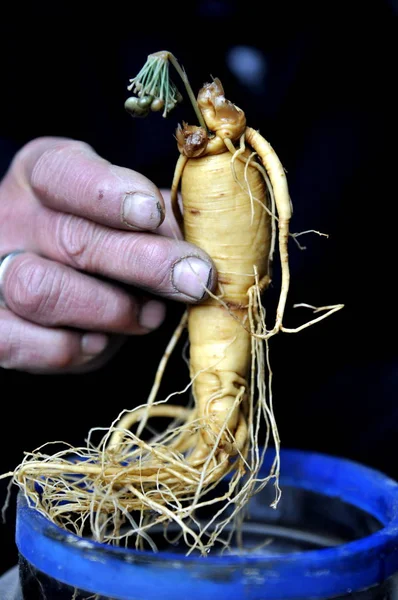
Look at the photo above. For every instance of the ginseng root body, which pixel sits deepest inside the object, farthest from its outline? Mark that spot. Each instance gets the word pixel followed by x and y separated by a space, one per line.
pixel 220 218
pixel 226 211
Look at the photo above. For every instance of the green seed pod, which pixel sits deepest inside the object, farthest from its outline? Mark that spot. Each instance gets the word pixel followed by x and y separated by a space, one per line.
pixel 131 104
pixel 133 107
pixel 145 101
pixel 157 104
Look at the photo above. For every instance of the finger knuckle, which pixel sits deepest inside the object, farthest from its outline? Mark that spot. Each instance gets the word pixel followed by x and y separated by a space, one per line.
pixel 74 237
pixel 152 258
pixel 29 148
pixel 52 159
pixel 35 290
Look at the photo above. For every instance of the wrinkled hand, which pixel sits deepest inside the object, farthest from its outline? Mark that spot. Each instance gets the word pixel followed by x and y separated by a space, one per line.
pixel 85 226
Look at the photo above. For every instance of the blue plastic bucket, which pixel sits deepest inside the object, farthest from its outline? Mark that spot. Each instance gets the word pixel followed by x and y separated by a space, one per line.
pixel 334 535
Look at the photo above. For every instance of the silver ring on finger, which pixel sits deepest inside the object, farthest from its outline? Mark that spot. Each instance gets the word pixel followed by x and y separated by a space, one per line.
pixel 4 262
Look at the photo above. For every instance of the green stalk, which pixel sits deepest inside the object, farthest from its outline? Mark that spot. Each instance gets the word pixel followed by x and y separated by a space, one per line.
pixel 188 88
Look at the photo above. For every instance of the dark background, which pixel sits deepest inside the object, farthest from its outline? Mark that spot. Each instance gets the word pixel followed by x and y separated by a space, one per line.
pixel 326 100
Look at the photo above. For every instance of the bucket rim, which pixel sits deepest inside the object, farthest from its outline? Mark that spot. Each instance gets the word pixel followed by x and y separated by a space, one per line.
pixel 353 565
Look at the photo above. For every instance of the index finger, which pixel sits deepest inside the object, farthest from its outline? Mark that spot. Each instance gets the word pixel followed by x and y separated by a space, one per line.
pixel 69 176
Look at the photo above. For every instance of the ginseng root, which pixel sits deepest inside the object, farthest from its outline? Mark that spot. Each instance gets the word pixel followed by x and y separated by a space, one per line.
pixel 236 206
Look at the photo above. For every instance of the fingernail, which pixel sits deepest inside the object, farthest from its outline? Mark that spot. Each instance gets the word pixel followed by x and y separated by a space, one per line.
pixel 152 314
pixel 141 211
pixel 93 343
pixel 191 275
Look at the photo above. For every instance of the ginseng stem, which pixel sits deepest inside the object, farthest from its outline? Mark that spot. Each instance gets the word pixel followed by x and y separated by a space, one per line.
pixel 189 90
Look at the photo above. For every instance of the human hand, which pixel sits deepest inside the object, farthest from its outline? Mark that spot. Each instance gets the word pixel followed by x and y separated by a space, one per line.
pixel 85 226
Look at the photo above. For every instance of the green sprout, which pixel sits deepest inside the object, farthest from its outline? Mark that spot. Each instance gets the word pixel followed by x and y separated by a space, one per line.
pixel 154 89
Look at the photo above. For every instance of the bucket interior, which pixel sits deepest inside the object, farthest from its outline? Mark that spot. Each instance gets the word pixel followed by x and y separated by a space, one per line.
pixel 303 520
